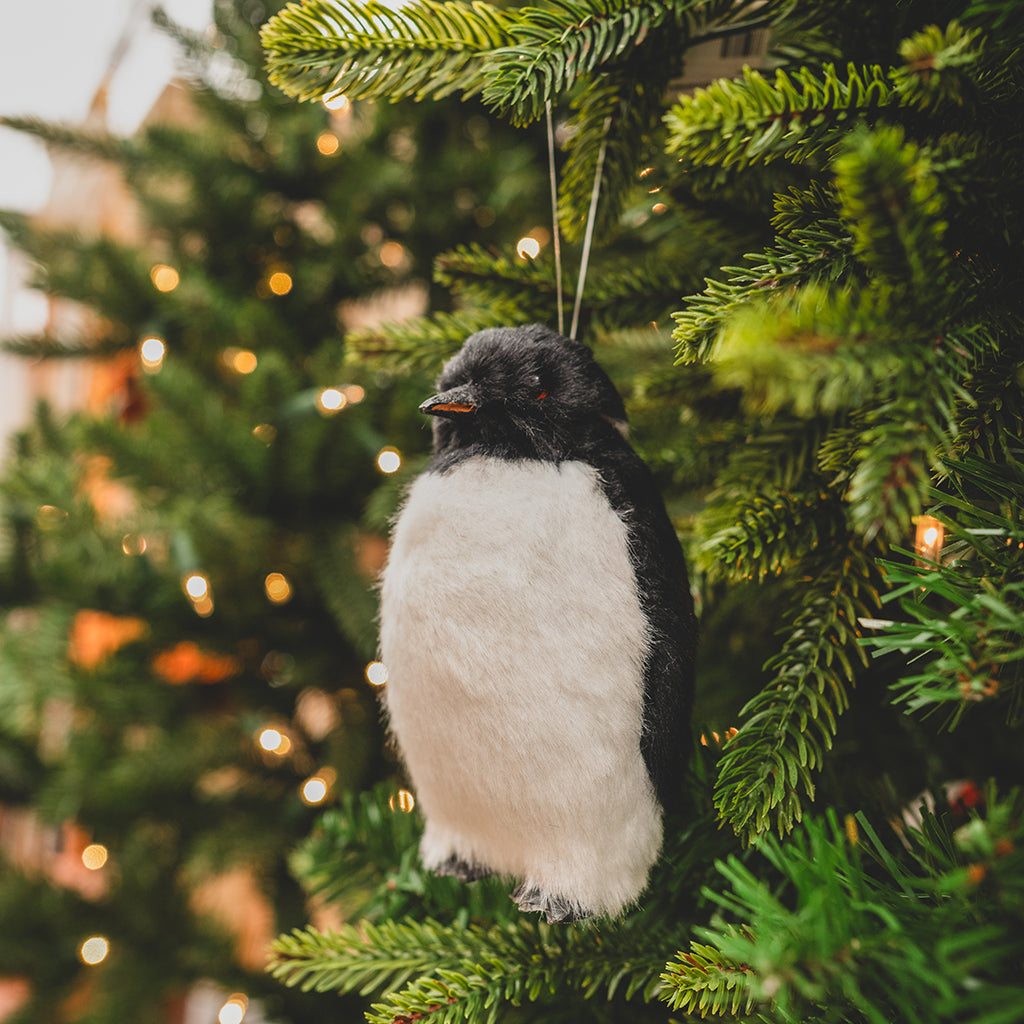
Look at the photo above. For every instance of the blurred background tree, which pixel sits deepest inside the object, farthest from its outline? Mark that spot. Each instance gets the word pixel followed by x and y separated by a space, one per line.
pixel 186 606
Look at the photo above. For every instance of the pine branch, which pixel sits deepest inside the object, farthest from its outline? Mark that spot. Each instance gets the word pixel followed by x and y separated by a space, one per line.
pixel 788 727
pixel 891 203
pixel 425 343
pixel 964 625
pixel 427 49
pixel 750 122
pixel 706 982
pixel 836 926
pixel 762 533
pixel 71 139
pixel 468 973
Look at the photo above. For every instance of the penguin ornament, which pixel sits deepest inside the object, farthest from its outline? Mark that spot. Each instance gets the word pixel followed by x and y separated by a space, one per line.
pixel 538 632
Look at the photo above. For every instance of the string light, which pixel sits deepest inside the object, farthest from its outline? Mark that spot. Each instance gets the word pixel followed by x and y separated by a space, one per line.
pixel 265 433
pixel 327 143
pixel 929 538
pixel 94 856
pixel 151 352
pixel 330 401
pixel 233 1011
pixel 376 673
pixel 164 278
pixel 273 741
pixel 241 360
pixel 134 544
pixel 403 800
pixel 49 516
pixel 94 950
pixel 196 585
pixel 388 460
pixel 528 248
pixel 280 283
pixel 197 588
pixel 316 788
pixel 336 101
pixel 277 588
pixel 354 393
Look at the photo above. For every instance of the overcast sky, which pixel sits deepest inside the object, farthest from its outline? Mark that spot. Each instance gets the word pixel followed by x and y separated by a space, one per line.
pixel 54 54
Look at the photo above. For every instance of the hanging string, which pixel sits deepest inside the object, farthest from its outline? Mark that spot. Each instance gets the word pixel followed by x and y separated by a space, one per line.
pixel 589 234
pixel 554 221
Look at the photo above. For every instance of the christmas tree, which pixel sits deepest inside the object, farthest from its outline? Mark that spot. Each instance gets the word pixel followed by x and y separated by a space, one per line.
pixel 803 280
pixel 186 587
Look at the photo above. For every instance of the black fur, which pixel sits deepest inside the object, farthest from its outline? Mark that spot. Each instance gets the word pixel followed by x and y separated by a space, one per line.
pixel 538 395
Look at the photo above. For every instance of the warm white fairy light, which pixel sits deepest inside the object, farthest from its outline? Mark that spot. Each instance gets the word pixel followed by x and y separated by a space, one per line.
pixel 233 1011
pixel 94 950
pixel 196 585
pixel 336 101
pixel 152 351
pixel 354 393
pixel 403 800
pixel 376 673
pixel 314 791
pixel 94 856
pixel 331 400
pixel 270 739
pixel 389 460
pixel 528 248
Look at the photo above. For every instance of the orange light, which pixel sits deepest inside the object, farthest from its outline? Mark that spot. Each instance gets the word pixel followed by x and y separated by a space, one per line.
pixel 403 800
pixel 277 588
pixel 280 283
pixel 94 856
pixel 164 278
pixel 327 143
pixel 929 538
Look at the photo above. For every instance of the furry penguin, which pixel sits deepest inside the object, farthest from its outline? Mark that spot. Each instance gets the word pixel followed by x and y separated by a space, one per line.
pixel 538 631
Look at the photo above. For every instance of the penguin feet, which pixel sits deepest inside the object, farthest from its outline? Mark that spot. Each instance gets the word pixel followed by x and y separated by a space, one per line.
pixel 556 909
pixel 461 870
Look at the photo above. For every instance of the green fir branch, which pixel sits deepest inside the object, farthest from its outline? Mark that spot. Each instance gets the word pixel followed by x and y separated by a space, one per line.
pixel 751 121
pixel 423 344
pixel 703 981
pixel 82 142
pixel 963 628
pixel 941 66
pixel 468 973
pixel 836 924
pixel 425 50
pixel 890 201
pixel 759 535
pixel 787 729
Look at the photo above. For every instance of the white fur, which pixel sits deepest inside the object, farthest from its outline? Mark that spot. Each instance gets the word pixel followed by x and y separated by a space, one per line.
pixel 514 643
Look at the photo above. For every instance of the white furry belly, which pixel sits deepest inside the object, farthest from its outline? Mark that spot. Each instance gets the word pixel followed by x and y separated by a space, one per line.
pixel 514 642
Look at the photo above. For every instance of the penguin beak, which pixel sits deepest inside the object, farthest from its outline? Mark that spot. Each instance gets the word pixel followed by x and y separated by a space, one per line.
pixel 458 401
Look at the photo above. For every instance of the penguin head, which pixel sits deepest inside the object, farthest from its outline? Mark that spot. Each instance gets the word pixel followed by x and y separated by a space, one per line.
pixel 523 391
